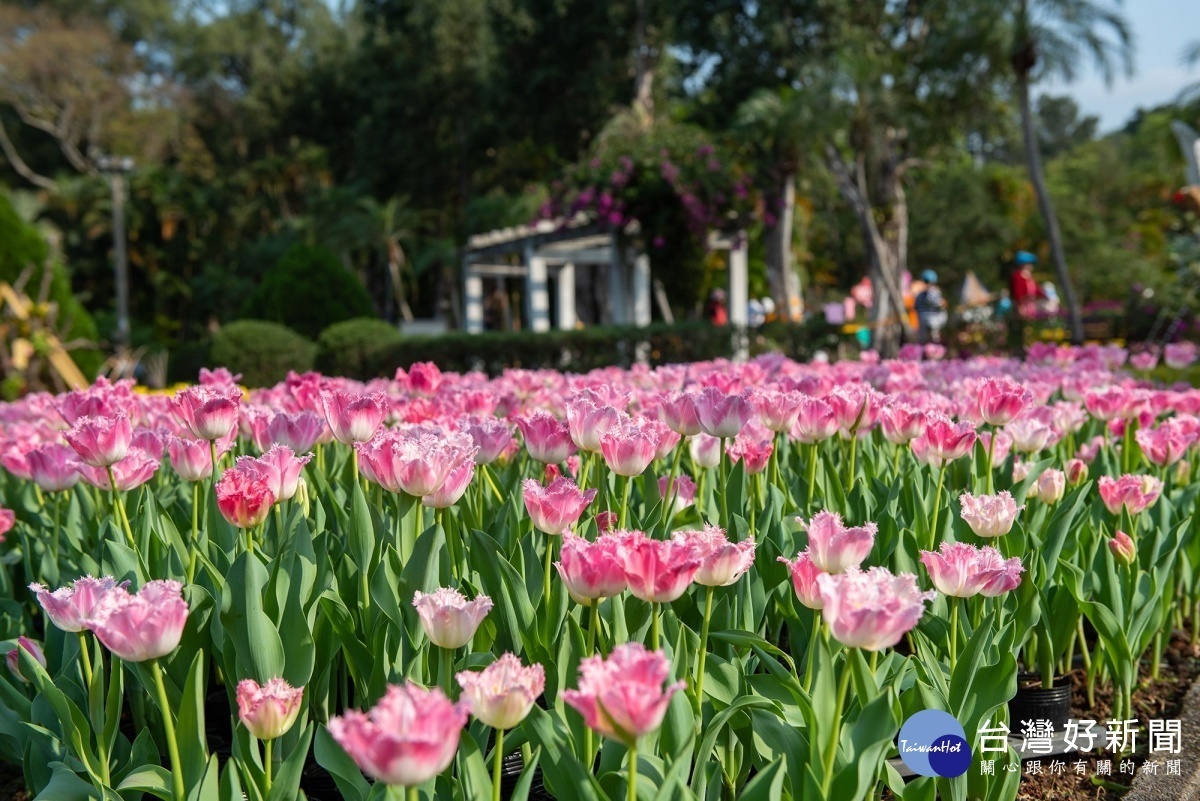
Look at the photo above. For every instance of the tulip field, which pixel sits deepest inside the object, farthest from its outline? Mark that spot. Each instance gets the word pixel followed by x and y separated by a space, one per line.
pixel 716 580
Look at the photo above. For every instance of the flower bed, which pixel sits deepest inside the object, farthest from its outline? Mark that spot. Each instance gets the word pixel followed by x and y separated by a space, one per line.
pixel 711 580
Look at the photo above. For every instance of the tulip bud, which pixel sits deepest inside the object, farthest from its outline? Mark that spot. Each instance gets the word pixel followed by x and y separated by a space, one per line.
pixel 1124 551
pixel 268 711
pixel 1050 486
pixel 14 658
pixel 1076 471
pixel 1183 471
pixel 301 496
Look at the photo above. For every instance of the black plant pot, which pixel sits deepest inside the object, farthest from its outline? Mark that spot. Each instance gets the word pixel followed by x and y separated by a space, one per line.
pixel 510 774
pixel 317 784
pixel 218 722
pixel 1036 703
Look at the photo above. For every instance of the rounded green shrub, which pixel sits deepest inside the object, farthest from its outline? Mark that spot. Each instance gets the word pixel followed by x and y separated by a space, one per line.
pixel 307 290
pixel 263 352
pixel 357 348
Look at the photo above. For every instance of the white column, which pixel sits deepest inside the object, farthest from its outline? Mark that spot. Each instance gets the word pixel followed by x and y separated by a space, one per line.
pixel 566 297
pixel 739 297
pixel 641 290
pixel 537 294
pixel 617 285
pixel 473 302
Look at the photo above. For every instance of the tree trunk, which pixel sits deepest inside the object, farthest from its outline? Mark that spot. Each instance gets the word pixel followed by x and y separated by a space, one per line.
pixel 785 285
pixel 1053 235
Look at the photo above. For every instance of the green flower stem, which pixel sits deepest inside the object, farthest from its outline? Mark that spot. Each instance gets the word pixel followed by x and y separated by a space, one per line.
pixel 411 794
pixel 546 580
pixel 497 761
pixel 85 658
pixel 937 507
pixel 810 655
pixel 991 446
pixel 700 657
pixel 835 733
pixel 623 516
pixel 668 501
pixel 487 475
pixel 169 724
pixel 119 508
pixel 852 462
pixel 195 547
pixel 812 475
pixel 724 467
pixel 593 626
pixel 954 604
pixel 631 795
pixel 654 637
pixel 446 668
pixel 267 766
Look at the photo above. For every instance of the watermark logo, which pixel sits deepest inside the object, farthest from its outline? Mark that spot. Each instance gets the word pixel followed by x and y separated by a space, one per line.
pixel 933 743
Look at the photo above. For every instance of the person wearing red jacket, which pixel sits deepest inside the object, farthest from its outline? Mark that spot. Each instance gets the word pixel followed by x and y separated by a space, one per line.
pixel 1024 289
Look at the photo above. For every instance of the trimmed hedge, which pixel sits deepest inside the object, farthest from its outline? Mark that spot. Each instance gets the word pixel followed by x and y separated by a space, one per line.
pixel 262 352
pixel 307 290
pixel 353 348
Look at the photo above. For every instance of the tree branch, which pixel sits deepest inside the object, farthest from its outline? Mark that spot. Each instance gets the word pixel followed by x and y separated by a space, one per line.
pixel 18 164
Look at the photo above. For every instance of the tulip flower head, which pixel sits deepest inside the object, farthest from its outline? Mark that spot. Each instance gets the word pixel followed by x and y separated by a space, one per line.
pixel 1180 355
pixel 682 491
pixel 804 574
pixel 14 660
pixel 52 467
pixel 448 618
pixel 491 438
pixel 192 458
pixel 8 519
pixel 1133 493
pixel 71 608
pixel 133 471
pixel 556 508
pixel 280 468
pixel 964 571
pixel 678 411
pixel 1050 486
pixel 268 711
pixel 587 422
pixel 547 438
pixel 657 570
pixel 989 515
pixel 591 571
pixel 502 694
pixel 408 738
pixel 722 562
pixel 1076 471
pixel 705 450
pixel 722 415
pixel 144 626
pixel 623 697
pixel 1123 548
pixel 452 489
pixel 244 496
pixel 943 441
pixel 834 548
pixel 353 417
pixel 871 610
pixel 100 441
pixel 815 421
pixel 1001 400
pixel 629 447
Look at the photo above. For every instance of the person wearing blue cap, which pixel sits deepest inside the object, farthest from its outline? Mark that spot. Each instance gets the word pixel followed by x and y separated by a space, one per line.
pixel 931 309
pixel 1024 289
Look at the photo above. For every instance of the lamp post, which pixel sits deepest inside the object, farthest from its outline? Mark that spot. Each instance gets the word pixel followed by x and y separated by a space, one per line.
pixel 116 168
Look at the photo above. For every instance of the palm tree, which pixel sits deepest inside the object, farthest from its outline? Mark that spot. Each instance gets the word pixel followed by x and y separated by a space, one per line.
pixel 782 123
pixel 1054 38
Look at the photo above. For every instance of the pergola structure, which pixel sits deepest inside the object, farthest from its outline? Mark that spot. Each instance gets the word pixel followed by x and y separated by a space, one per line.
pixel 557 248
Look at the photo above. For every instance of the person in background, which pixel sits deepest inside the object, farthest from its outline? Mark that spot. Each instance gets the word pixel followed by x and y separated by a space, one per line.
pixel 1050 304
pixel 1025 290
pixel 715 310
pixel 755 315
pixel 931 309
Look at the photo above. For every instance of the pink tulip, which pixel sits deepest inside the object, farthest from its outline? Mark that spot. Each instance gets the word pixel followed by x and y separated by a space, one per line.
pixel 1030 434
pixel 1180 355
pixel 424 378
pixel 1050 486
pixel 128 474
pixel 901 423
pixel 268 711
pixel 722 562
pixel 1134 493
pixel 52 467
pixel 407 739
pixel 856 408
pixel 144 626
pixel 491 437
pixel 678 411
pixel 667 439
pixel 1123 548
pixel 591 571
pixel 413 461
pixel 1020 471
pixel 208 413
pixel 753 454
pixel 353 417
pixel 815 421
pixel 244 496
pixel 778 411
pixel 547 438
pixel 629 447
pixel 14 660
pixel 871 610
pixel 448 618
pixel 964 571
pixel 944 441
pixel 705 450
pixel 71 608
pixel 804 579
pixel 1145 360
pixel 502 694
pixel 452 489
pixel 281 468
pixel 989 515
pixel 623 697
pixel 658 571
pixel 299 431
pixel 833 547
pixel 1076 471
pixel 682 493
pixel 8 519
pixel 556 508
pixel 15 459
pixel 192 459
pixel 1001 400
pixel 1001 450
pixel 1165 445
pixel 100 441
pixel 606 521
pixel 587 422
pixel 722 415
pixel 1107 403
pixel 150 441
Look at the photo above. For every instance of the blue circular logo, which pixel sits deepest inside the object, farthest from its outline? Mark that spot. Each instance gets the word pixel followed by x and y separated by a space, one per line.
pixel 933 743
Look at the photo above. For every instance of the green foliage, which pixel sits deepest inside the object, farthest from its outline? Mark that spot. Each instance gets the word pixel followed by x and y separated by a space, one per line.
pixel 307 290
pixel 263 352
pixel 355 348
